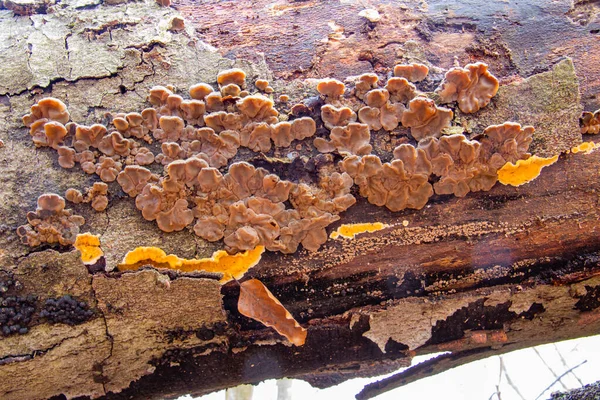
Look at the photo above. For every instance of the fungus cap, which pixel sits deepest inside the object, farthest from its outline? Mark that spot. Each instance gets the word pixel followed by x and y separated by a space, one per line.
pixel 414 72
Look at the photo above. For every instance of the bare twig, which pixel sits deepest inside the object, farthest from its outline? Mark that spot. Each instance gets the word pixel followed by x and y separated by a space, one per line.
pixel 508 380
pixel 564 362
pixel 549 368
pixel 563 374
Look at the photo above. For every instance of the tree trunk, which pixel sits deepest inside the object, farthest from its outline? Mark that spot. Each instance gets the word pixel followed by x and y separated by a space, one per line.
pixel 477 276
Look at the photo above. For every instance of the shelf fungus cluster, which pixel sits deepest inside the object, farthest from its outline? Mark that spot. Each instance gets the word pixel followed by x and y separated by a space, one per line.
pixel 590 122
pixel 175 157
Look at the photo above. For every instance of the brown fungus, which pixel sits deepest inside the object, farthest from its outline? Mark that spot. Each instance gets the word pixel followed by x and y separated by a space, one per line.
pixel 365 83
pixel 88 136
pixel 176 218
pixel 55 133
pixel 256 137
pixel 143 156
pixel 219 148
pixel 229 76
pixel 333 116
pixel 401 90
pixel 133 179
pixel 352 139
pixel 258 108
pixel 115 144
pixel 171 151
pixel 97 195
pixel 402 183
pixel 74 196
pixel 590 122
pixel 66 157
pixel 508 142
pixel 192 111
pixel 425 119
pixel 171 128
pixel 200 90
pixel 331 89
pixel 232 90
pixel 50 223
pixel 158 96
pixel 48 109
pixel 414 72
pixel 456 160
pixel 108 169
pixel 472 86
pixel 377 97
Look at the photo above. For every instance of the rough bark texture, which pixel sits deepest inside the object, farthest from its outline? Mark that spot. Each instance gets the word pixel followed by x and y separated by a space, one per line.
pixel 481 275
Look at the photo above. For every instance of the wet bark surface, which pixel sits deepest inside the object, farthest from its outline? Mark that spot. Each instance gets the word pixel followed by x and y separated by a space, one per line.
pixel 477 276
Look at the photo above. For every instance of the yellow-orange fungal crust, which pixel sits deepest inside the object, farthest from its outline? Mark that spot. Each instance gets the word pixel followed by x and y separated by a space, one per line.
pixel 89 246
pixel 231 266
pixel 349 231
pixel 585 148
pixel 524 171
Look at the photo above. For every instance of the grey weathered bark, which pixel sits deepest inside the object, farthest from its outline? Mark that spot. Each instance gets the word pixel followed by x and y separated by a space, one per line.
pixel 481 275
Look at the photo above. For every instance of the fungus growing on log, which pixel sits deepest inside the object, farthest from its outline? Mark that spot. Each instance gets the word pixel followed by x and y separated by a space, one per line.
pixel 590 122
pixel 231 266
pixel 245 206
pixel 331 89
pixel 414 72
pixel 50 223
pixel 472 86
pixel 349 231
pixel 332 116
pixel 232 76
pixel 524 171
pixel 352 139
pixel 89 247
pixel 401 90
pixel 257 302
pixel 401 183
pixel 425 119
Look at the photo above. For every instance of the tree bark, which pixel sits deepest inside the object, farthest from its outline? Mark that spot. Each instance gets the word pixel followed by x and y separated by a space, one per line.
pixel 477 276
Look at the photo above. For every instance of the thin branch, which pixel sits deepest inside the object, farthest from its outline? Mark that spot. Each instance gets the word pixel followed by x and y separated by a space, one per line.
pixel 565 373
pixel 564 362
pixel 508 380
pixel 550 369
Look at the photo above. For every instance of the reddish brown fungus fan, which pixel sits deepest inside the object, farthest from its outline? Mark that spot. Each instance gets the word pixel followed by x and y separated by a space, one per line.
pixel 50 223
pixel 472 87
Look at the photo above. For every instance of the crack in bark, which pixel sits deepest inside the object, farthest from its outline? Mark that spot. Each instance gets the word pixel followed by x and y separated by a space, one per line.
pixel 24 357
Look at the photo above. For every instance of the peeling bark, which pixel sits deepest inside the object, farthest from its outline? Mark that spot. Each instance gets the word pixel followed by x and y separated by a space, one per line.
pixel 476 276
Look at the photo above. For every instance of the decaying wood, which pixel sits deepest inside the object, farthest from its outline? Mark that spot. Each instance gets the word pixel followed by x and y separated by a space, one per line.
pixel 477 276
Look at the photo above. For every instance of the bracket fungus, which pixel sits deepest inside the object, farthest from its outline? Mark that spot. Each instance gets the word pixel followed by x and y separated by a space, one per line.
pixel 333 116
pixel 352 139
pixel 331 89
pixel 414 72
pixel 401 183
pixel 472 87
pixel 590 122
pixel 50 223
pixel 425 119
pixel 232 76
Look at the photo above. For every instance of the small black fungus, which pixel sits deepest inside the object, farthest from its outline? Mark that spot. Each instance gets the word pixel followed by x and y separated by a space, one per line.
pixel 66 310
